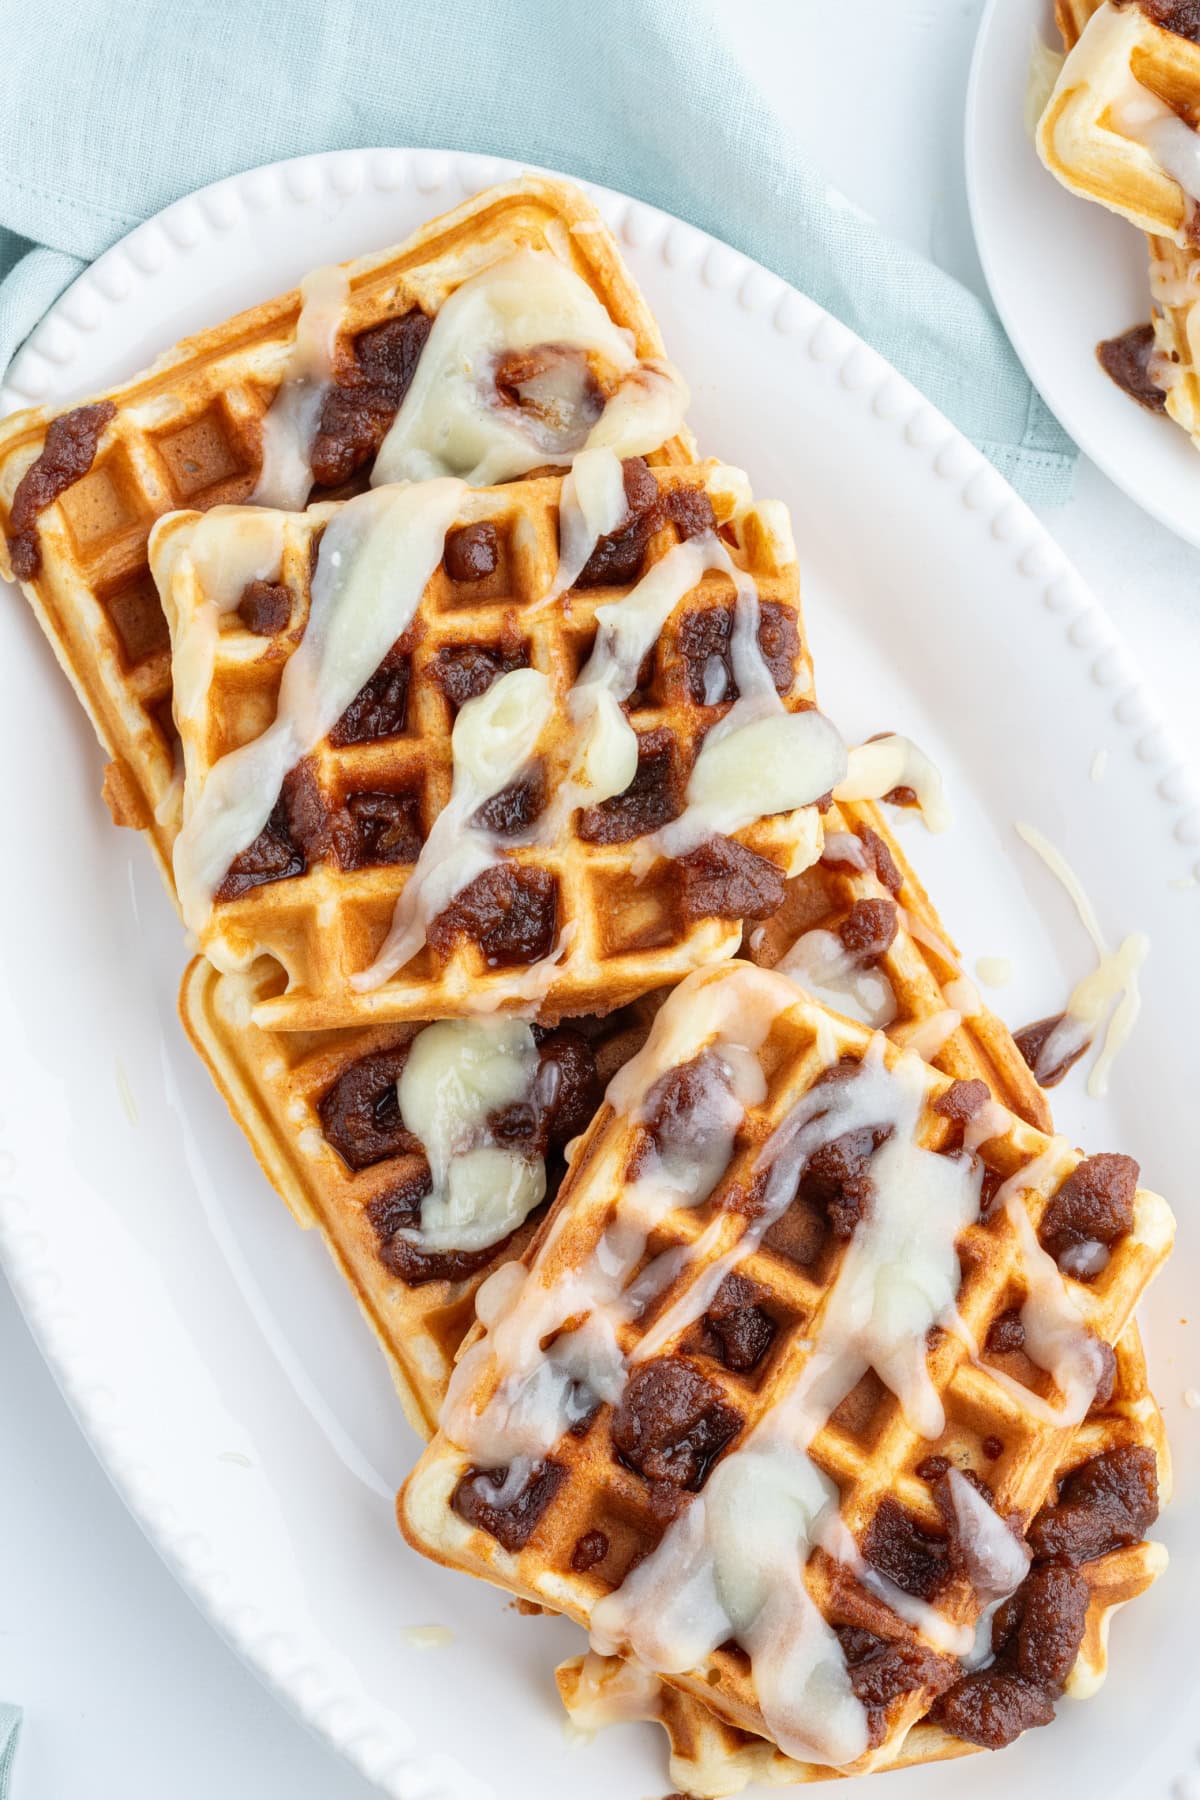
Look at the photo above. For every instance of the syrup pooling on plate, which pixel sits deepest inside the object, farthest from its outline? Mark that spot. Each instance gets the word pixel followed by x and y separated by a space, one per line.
pixel 523 368
pixel 375 558
pixel 710 1579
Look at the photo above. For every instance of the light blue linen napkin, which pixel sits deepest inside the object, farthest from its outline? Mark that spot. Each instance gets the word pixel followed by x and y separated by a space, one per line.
pixel 10 1725
pixel 109 111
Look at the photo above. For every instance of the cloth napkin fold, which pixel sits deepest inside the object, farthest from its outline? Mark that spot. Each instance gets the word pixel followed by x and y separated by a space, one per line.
pixel 10 1725
pixel 109 111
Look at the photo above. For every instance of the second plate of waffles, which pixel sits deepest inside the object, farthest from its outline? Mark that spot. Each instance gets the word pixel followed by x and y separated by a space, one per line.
pixel 570 922
pixel 1077 283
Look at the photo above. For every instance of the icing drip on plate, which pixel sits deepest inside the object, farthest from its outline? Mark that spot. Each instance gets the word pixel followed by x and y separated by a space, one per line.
pixel 1110 991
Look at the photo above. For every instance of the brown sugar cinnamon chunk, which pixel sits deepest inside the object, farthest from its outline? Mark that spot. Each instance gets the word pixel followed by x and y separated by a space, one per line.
pixel 554 388
pixel 881 860
pixel 359 409
pixel 992 1708
pixel 1031 1040
pixel 653 798
pixel 869 930
pixel 1106 1504
pixel 618 557
pixel 513 810
pixel 836 1179
pixel 671 1423
pixel 510 912
pixel 395 1214
pixel 294 835
pixel 377 831
pixel 590 1549
pixel 690 511
pixel 568 1088
pixel 265 607
pixel 741 1331
pixel 66 456
pixel 1006 1333
pixel 360 1113
pixel 881 1672
pixel 1180 16
pixel 380 708
pixel 704 647
pixel 962 1100
pixel 1051 1613
pixel 464 671
pixel 722 879
pixel 1093 1205
pixel 482 1499
pixel 905 1551
pixel 1127 361
pixel 472 552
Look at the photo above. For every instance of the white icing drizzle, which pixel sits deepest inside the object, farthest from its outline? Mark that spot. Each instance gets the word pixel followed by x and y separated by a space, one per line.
pixel 891 762
pixel 457 1073
pixel 1056 1336
pixel 1110 990
pixel 592 505
pixel 494 737
pixel 290 425
pixel 453 422
pixel 994 971
pixel 757 760
pixel 218 554
pixel 377 553
pixel 732 1563
pixel 819 963
pixel 927 1037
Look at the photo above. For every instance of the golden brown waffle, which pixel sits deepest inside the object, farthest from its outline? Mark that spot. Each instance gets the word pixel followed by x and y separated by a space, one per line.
pixel 1119 119
pixel 188 432
pixel 274 1084
pixel 1002 1404
pixel 603 927
pixel 1174 285
pixel 938 1011
pixel 710 1758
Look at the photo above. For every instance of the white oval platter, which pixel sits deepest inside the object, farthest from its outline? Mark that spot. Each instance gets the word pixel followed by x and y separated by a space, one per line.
pixel 206 1347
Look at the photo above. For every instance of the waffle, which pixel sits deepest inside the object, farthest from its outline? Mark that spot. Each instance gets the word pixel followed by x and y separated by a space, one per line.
pixel 712 1758
pixel 915 986
pixel 577 1521
pixel 1119 125
pixel 1172 349
pixel 601 918
pixel 275 1084
pixel 188 434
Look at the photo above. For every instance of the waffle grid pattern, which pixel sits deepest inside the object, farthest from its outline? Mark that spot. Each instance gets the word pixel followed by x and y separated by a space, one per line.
pixel 867 1448
pixel 187 434
pixel 622 932
pixel 711 1757
pixel 274 1083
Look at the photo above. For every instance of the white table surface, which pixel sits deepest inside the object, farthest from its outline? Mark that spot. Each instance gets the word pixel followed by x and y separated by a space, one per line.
pixel 127 1692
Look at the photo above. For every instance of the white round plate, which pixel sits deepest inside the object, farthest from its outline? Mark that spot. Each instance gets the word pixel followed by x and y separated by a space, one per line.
pixel 1064 275
pixel 209 1352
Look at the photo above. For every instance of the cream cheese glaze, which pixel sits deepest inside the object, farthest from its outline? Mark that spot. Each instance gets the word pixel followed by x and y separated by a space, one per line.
pixel 711 1578
pixel 452 421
